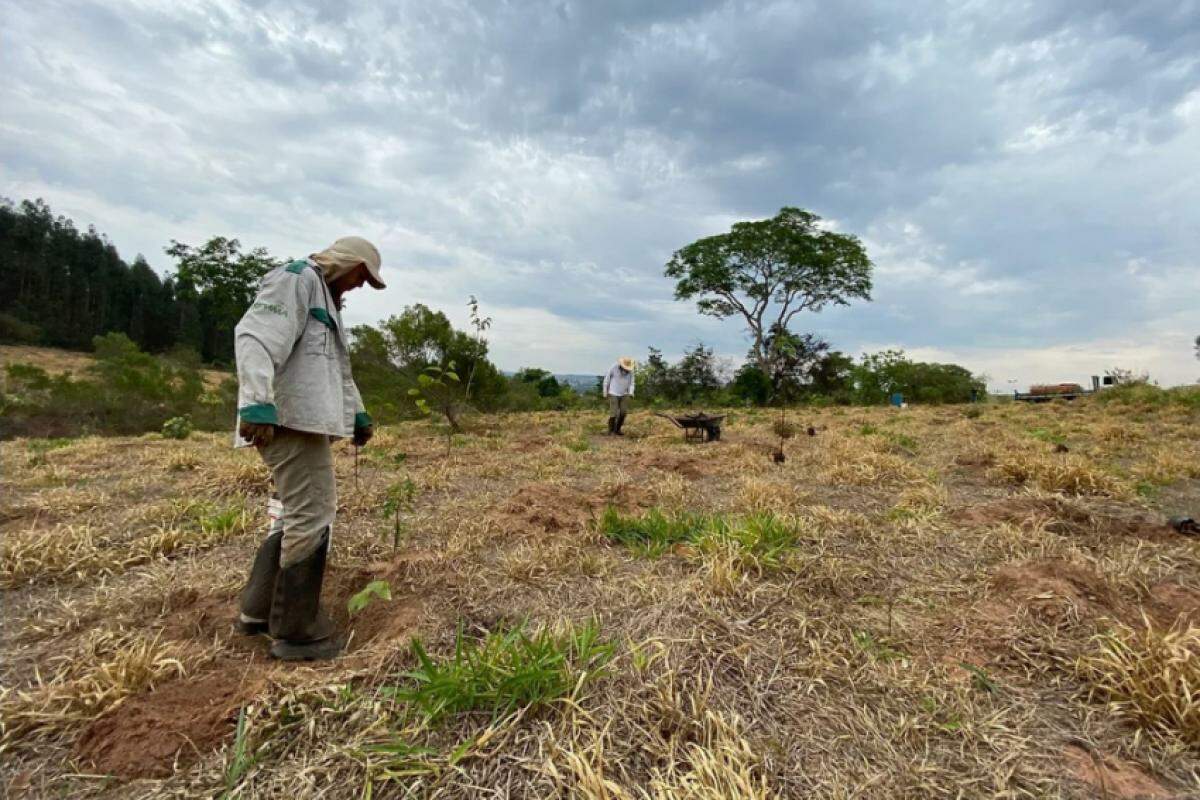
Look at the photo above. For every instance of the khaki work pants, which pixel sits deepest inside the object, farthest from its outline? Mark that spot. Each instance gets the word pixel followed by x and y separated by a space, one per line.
pixel 302 468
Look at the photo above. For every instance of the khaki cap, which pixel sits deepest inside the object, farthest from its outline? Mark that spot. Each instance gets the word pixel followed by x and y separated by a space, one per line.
pixel 363 251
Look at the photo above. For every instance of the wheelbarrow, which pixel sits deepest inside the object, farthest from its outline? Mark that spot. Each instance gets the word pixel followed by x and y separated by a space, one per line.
pixel 698 427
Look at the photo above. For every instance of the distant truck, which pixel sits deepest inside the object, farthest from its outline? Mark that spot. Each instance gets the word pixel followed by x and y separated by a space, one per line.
pixel 1045 392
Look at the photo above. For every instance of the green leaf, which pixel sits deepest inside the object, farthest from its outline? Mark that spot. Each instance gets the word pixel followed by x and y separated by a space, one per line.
pixel 453 377
pixel 379 589
pixel 414 392
pixel 461 751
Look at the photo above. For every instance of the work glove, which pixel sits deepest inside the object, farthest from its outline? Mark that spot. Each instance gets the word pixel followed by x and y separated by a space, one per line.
pixel 363 435
pixel 260 434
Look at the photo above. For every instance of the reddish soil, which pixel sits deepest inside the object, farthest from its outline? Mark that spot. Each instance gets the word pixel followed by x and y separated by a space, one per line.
pixel 1026 512
pixel 531 445
pixel 547 507
pixel 1055 590
pixel 386 619
pixel 552 508
pixel 202 618
pixel 1170 601
pixel 976 460
pixel 1112 777
pixel 625 497
pixel 192 616
pixel 149 734
pixel 686 466
pixel 1058 516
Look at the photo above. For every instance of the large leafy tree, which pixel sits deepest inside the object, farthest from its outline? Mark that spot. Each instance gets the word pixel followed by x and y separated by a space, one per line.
pixel 768 271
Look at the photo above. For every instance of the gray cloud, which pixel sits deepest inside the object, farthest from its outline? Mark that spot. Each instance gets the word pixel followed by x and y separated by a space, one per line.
pixel 1021 173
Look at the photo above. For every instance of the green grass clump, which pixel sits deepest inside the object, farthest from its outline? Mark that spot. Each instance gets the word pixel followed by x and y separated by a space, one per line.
pixel 1048 436
pixel 762 539
pixel 653 533
pixel 504 671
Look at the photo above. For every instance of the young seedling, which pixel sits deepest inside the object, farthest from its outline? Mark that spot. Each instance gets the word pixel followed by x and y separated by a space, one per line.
pixel 435 390
pixel 241 761
pixel 399 498
pixel 380 589
pixel 480 324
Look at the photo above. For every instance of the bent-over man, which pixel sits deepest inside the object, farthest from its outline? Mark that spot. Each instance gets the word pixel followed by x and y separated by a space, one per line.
pixel 295 396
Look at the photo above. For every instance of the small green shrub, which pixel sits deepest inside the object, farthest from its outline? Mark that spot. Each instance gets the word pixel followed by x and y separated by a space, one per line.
pixel 177 428
pixel 877 648
pixel 505 671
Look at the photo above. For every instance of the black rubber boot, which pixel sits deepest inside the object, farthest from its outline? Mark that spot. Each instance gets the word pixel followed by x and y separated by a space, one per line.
pixel 301 631
pixel 620 422
pixel 255 605
pixel 612 425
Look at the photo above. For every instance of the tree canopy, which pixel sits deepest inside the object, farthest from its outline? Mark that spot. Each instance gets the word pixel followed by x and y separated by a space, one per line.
pixel 768 271
pixel 388 359
pixel 221 280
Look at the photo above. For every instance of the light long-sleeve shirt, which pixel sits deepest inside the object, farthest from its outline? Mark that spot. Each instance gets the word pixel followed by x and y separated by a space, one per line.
pixel 618 382
pixel 293 364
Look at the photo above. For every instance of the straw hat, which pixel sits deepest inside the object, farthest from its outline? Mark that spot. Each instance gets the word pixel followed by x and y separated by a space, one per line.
pixel 626 363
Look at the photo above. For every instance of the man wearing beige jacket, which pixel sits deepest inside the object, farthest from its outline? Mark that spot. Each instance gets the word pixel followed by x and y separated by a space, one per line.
pixel 295 395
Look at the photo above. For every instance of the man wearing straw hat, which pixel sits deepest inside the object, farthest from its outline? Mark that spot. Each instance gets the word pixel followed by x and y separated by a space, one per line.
pixel 618 388
pixel 295 396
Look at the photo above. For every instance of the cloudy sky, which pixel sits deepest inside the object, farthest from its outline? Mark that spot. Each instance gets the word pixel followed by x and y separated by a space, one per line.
pixel 1025 175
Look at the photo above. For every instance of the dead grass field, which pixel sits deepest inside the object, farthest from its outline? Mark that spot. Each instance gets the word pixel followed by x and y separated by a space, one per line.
pixel 925 603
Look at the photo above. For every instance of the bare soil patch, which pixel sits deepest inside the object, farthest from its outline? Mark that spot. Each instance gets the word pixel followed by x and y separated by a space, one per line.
pixel 1058 516
pixel 1025 512
pixel 975 460
pixel 1169 601
pixel 545 506
pixel 1055 590
pixel 151 734
pixel 1113 777
pixel 686 466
